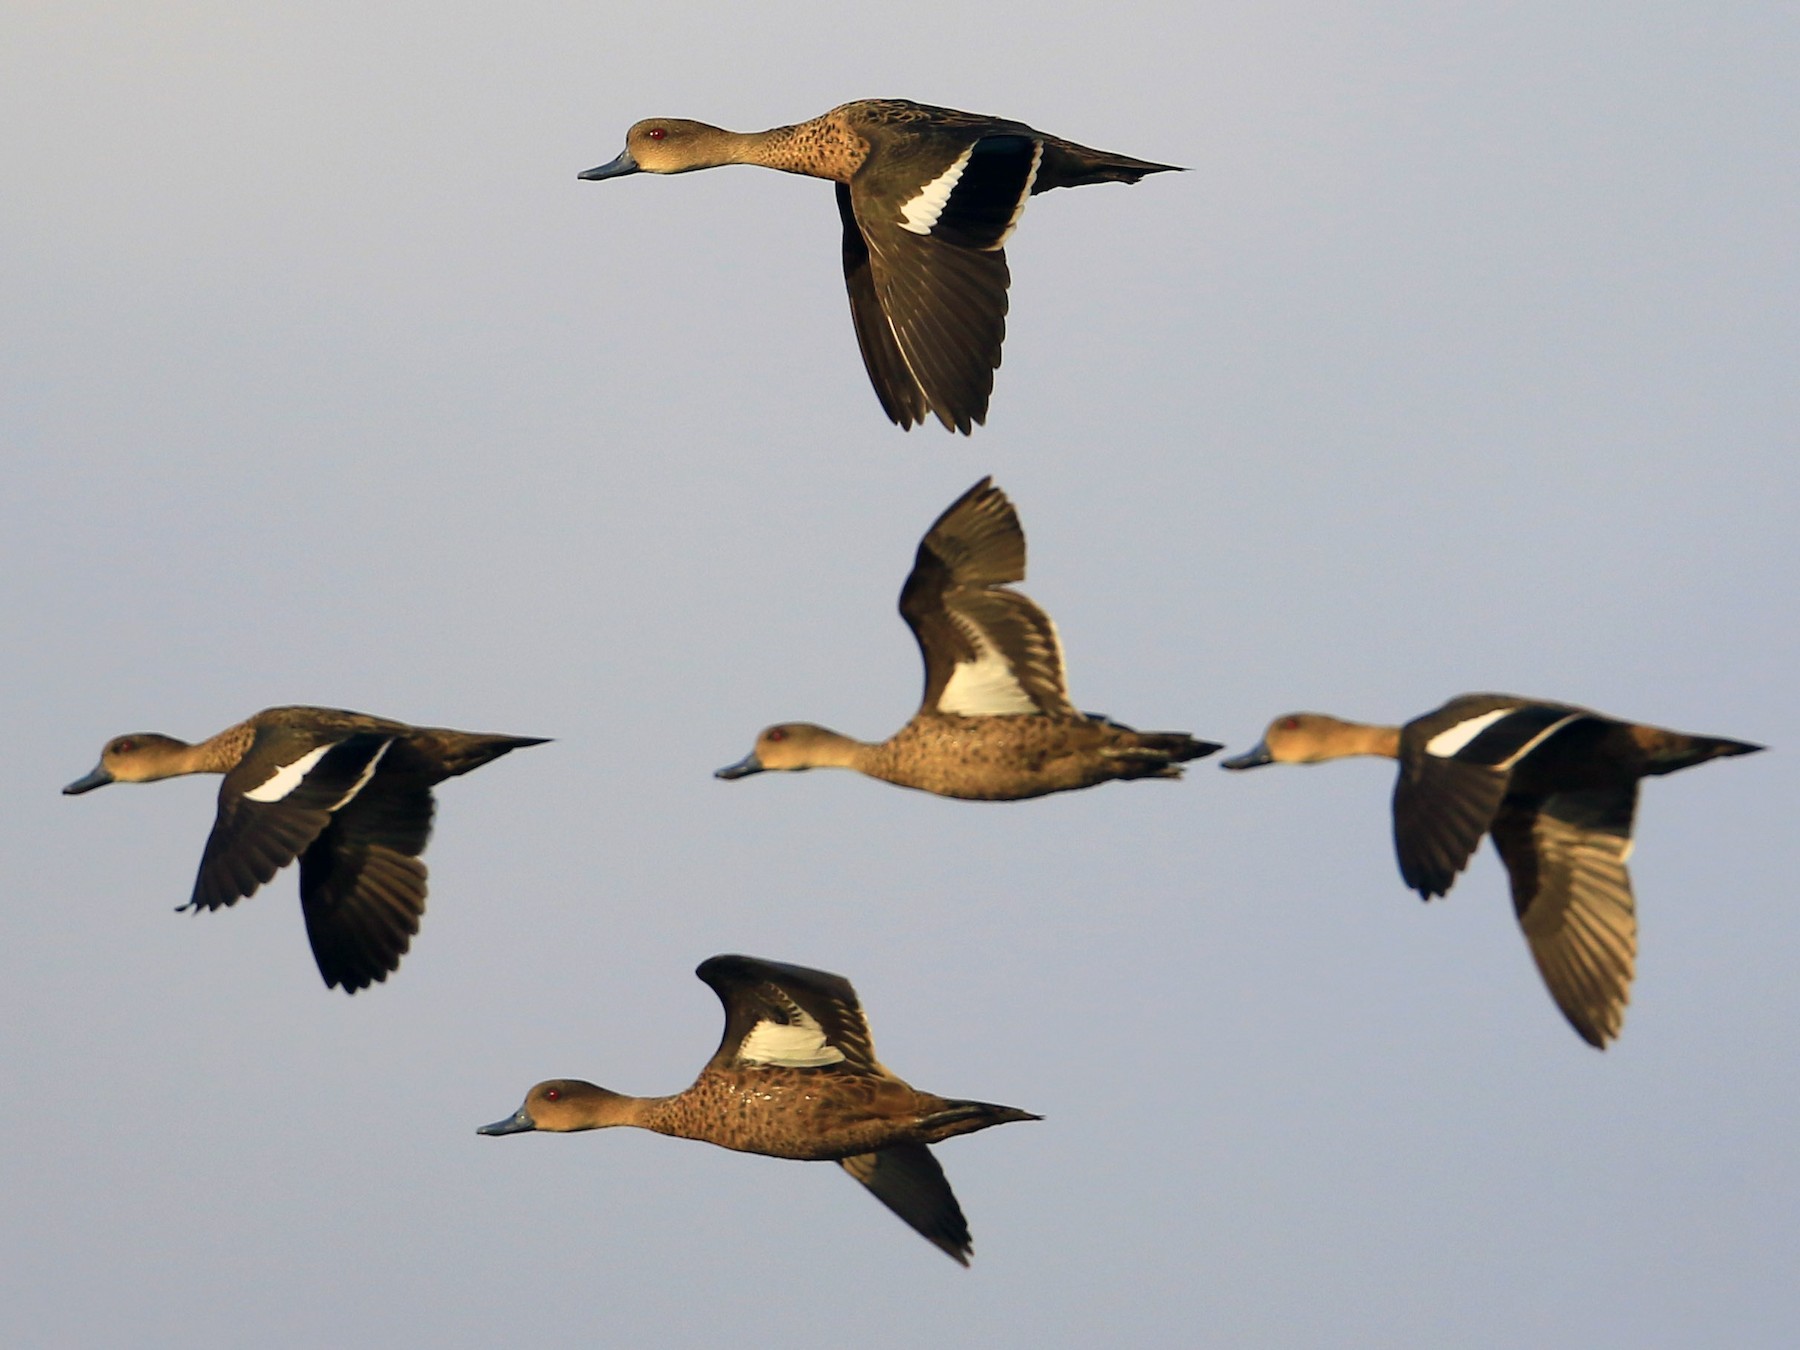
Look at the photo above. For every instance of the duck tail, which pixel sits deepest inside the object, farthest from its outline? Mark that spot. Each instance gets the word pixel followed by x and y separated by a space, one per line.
pixel 1667 751
pixel 1152 754
pixel 956 1118
pixel 1719 746
pixel 1178 745
pixel 473 749
pixel 1069 165
pixel 1680 752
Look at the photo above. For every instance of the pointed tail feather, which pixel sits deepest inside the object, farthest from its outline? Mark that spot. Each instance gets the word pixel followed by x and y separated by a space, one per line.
pixel 1178 745
pixel 1717 747
pixel 966 1117
pixel 1069 165
pixel 1678 751
pixel 475 750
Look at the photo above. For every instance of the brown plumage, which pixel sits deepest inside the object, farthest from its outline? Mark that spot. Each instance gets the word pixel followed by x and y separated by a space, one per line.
pixel 795 1076
pixel 928 198
pixel 347 793
pixel 996 723
pixel 1555 786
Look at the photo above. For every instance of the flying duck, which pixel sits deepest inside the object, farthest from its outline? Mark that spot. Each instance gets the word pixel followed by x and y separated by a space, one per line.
pixel 1555 786
pixel 996 723
pixel 346 793
pixel 795 1077
pixel 928 197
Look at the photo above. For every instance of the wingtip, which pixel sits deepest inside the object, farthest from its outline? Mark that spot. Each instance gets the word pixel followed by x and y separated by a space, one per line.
pixel 1429 888
pixel 352 985
pixel 1597 1037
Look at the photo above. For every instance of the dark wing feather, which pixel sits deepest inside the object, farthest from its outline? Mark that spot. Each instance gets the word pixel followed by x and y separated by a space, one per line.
pixel 1566 857
pixel 1441 810
pixel 754 991
pixel 908 1180
pixel 901 398
pixel 362 886
pixel 946 307
pixel 975 541
pixel 1456 765
pixel 251 840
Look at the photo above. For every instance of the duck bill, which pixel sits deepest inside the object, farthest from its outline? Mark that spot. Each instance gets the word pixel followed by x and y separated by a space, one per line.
pixel 517 1123
pixel 617 168
pixel 98 778
pixel 746 766
pixel 1250 759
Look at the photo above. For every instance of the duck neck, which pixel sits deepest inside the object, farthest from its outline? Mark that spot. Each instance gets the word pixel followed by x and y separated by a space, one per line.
pixel 834 750
pixel 1365 738
pixel 1382 741
pixel 663 1115
pixel 821 148
pixel 626 1110
pixel 220 753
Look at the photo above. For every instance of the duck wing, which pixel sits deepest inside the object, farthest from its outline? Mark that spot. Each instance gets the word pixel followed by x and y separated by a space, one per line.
pixel 787 1016
pixel 1455 766
pixel 988 651
pixel 902 398
pixel 275 802
pixel 362 886
pixel 933 215
pixel 1566 856
pixel 908 1179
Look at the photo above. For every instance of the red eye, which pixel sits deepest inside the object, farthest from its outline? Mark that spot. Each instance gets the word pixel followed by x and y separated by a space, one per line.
pixel 1289 723
pixel 778 735
pixel 124 746
pixel 553 1095
pixel 656 133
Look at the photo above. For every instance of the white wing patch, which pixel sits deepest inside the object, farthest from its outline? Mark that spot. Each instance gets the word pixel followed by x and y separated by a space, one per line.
pixel 1447 742
pixel 363 779
pixel 796 1045
pixel 288 777
pixel 986 686
pixel 922 211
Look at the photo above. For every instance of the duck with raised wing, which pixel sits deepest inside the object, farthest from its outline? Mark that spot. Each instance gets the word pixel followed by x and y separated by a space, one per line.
pixel 346 793
pixel 1555 786
pixel 795 1076
pixel 928 198
pixel 996 723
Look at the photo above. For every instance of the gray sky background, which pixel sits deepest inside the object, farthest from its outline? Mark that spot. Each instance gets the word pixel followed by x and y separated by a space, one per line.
pixel 1464 358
